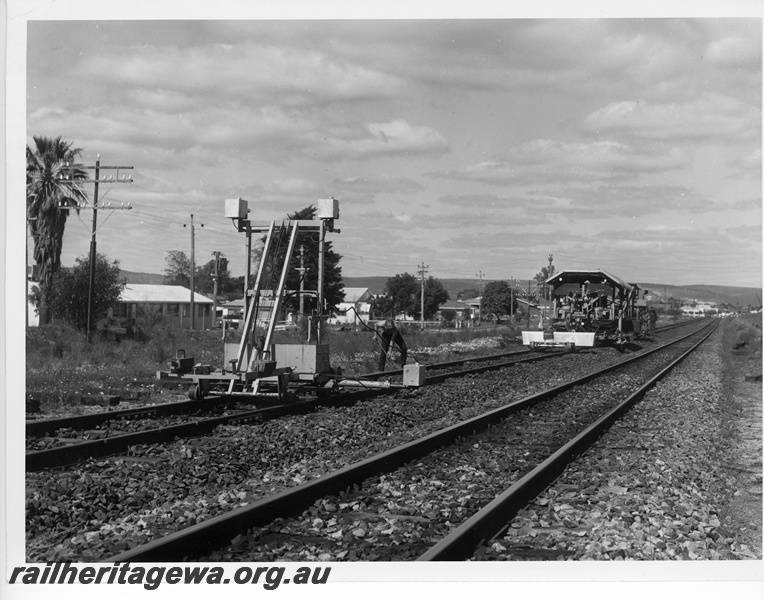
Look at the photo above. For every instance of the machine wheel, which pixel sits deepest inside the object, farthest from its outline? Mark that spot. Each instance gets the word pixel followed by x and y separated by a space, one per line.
pixel 195 392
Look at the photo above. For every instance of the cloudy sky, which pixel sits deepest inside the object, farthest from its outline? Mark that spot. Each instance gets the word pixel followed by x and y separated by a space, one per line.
pixel 469 145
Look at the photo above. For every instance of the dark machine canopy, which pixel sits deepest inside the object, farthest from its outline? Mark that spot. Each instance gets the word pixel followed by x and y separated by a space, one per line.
pixel 593 278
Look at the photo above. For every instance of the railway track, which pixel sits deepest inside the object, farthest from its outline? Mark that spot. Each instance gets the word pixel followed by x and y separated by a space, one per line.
pixel 37 428
pixel 48 427
pixel 104 439
pixel 71 450
pixel 363 509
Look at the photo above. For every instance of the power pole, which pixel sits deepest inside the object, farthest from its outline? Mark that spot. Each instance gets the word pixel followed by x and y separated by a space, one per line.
pixel 216 254
pixel 529 304
pixel 249 267
pixel 95 181
pixel 422 271
pixel 549 273
pixel 193 269
pixel 301 270
pixel 480 295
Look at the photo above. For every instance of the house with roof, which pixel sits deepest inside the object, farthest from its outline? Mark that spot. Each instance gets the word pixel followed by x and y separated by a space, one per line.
pixel 457 312
pixel 168 304
pixel 355 306
pixel 232 312
pixel 696 310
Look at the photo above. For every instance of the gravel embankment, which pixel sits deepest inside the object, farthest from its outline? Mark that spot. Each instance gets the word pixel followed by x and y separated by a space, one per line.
pixel 655 487
pixel 400 514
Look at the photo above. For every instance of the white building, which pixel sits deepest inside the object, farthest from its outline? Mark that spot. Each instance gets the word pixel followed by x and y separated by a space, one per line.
pixel 169 304
pixel 357 304
pixel 699 310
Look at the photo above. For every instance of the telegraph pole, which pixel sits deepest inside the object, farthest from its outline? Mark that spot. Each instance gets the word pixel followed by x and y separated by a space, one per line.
pixel 193 268
pixel 529 304
pixel 95 181
pixel 422 271
pixel 302 270
pixel 549 273
pixel 480 295
pixel 216 254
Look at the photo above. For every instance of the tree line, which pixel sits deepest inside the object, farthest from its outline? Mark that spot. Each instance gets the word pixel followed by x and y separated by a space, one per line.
pixel 54 184
pixel 55 181
pixel 403 296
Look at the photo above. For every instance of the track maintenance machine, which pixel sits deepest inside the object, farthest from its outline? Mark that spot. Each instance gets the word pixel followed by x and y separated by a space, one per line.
pixel 255 366
pixel 590 308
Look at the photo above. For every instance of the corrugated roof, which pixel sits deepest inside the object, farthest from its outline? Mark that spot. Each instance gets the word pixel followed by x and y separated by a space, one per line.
pixel 353 295
pixel 148 292
pixel 234 303
pixel 595 276
pixel 455 305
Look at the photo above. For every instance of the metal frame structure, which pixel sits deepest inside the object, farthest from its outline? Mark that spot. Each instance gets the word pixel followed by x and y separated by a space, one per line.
pixel 258 367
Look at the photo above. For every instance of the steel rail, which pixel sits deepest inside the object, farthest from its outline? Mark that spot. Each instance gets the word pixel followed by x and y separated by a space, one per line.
pixel 76 452
pixel 493 518
pixel 43 427
pixel 73 453
pixel 204 537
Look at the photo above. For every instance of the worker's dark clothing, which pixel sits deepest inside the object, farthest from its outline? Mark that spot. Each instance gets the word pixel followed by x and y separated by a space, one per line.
pixel 388 334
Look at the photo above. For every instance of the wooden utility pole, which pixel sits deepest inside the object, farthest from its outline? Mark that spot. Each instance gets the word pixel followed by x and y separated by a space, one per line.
pixel 529 304
pixel 216 254
pixel 422 271
pixel 549 273
pixel 480 295
pixel 302 270
pixel 193 269
pixel 95 207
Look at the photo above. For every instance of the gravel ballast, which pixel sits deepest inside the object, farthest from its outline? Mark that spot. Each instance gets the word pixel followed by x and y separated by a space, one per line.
pixel 177 485
pixel 655 487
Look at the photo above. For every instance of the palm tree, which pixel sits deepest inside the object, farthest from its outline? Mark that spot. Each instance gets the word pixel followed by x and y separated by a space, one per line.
pixel 53 180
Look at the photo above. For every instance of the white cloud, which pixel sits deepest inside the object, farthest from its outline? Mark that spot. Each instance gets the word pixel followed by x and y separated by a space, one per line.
pixel 249 71
pixel 735 52
pixel 712 116
pixel 384 139
pixel 546 161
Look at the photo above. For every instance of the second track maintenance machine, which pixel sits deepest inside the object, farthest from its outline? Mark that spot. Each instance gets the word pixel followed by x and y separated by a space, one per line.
pixel 590 308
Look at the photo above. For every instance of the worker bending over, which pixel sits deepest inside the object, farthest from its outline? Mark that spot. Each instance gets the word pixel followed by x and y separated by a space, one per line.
pixel 387 334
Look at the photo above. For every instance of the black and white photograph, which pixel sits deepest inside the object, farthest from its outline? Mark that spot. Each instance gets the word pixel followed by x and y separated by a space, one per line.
pixel 345 300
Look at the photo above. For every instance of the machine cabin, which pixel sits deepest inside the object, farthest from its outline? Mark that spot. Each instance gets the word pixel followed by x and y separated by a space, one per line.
pixel 588 308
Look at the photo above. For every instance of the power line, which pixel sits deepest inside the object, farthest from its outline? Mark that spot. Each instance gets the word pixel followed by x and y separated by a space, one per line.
pixel 95 207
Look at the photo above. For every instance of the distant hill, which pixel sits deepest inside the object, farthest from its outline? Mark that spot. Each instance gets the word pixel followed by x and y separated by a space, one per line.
pixel 714 294
pixel 377 284
pixel 135 277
